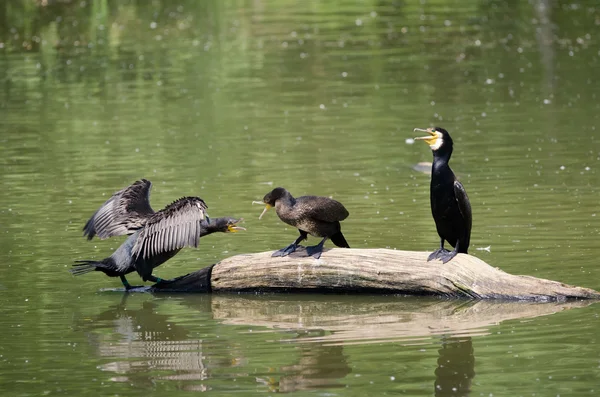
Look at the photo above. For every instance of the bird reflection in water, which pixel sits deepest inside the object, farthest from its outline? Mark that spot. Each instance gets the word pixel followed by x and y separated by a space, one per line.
pixel 319 366
pixel 456 367
pixel 142 342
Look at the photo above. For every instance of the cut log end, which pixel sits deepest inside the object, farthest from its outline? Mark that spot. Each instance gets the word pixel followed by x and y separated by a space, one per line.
pixel 372 271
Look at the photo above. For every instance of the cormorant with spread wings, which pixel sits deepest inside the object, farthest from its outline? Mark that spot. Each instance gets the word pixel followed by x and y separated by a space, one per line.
pixel 155 237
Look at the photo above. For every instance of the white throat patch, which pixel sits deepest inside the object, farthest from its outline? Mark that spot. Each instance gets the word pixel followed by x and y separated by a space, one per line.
pixel 438 141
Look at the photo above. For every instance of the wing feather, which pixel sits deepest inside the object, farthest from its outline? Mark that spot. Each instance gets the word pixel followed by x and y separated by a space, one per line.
pixel 123 213
pixel 173 228
pixel 321 208
pixel 464 206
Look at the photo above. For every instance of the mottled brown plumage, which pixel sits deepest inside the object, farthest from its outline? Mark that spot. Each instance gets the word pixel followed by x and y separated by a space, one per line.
pixel 315 215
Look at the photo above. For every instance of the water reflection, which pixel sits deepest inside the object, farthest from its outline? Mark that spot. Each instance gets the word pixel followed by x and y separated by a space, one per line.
pixel 317 366
pixel 223 98
pixel 456 367
pixel 142 340
pixel 142 344
pixel 408 320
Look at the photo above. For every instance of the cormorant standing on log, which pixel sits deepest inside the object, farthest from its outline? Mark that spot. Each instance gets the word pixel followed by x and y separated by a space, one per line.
pixel 314 215
pixel 155 237
pixel 450 205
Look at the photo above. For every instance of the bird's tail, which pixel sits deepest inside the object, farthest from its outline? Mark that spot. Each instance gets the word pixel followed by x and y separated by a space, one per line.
pixel 339 240
pixel 83 267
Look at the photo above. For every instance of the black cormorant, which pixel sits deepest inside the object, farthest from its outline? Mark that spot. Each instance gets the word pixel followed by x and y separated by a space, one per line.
pixel 314 215
pixel 155 236
pixel 450 205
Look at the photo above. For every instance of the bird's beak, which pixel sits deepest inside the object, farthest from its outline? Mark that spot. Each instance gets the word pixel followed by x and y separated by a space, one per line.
pixel 431 139
pixel 233 227
pixel 267 206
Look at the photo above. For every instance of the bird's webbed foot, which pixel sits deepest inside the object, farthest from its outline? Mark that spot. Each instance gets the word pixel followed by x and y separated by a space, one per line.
pixel 437 254
pixel 316 250
pixel 447 256
pixel 285 251
pixel 130 287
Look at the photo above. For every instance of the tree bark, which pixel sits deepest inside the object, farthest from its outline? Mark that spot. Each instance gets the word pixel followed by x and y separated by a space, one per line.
pixel 371 271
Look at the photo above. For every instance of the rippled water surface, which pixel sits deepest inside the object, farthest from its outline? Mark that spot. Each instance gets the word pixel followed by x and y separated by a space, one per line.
pixel 226 100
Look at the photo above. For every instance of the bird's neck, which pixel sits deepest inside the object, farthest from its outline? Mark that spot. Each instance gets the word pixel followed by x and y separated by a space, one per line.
pixel 209 228
pixel 440 167
pixel 285 201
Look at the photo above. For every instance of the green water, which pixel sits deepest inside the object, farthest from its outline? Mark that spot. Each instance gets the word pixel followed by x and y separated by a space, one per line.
pixel 228 99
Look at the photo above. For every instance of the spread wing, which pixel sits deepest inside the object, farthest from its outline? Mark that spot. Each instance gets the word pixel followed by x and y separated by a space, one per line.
pixel 175 227
pixel 464 206
pixel 124 213
pixel 322 208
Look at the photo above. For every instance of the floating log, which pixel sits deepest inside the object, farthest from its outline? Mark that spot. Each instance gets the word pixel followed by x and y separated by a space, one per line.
pixel 371 271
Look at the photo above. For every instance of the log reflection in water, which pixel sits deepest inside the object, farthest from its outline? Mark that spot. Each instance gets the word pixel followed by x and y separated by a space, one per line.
pixel 376 319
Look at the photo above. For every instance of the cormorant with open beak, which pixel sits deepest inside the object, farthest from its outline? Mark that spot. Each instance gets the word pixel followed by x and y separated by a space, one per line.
pixel 155 237
pixel 315 215
pixel 450 205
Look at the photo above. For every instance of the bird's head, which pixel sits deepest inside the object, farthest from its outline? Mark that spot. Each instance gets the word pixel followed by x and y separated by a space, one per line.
pixel 227 224
pixel 438 139
pixel 270 199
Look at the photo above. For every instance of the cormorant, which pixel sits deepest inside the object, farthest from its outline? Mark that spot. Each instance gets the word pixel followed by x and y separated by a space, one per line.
pixel 155 236
pixel 450 205
pixel 314 215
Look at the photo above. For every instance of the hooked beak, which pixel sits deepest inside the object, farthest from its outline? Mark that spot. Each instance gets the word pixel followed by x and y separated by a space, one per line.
pixel 233 227
pixel 267 206
pixel 431 139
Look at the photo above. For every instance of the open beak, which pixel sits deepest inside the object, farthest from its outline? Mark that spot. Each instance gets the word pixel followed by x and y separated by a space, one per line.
pixel 233 227
pixel 267 206
pixel 431 139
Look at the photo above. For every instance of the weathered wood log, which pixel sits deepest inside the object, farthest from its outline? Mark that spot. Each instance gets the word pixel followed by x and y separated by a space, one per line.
pixel 371 271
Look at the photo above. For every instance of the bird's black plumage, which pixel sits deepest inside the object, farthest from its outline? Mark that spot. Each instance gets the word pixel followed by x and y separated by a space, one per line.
pixel 450 205
pixel 155 236
pixel 315 215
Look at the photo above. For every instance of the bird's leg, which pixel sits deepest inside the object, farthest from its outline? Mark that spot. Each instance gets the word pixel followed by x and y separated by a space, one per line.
pixel 292 247
pixel 127 285
pixel 447 256
pixel 153 278
pixel 316 250
pixel 438 252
